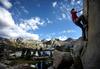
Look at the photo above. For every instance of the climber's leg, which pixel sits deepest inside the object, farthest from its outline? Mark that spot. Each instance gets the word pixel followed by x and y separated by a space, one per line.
pixel 85 24
pixel 82 18
pixel 83 29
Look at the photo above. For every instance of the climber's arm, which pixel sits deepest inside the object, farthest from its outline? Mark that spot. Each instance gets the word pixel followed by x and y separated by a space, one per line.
pixel 79 11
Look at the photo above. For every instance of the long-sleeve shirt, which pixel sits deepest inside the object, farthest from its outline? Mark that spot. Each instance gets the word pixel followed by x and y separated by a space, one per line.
pixel 74 16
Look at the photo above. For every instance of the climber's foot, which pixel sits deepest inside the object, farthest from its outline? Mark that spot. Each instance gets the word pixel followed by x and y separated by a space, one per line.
pixel 85 26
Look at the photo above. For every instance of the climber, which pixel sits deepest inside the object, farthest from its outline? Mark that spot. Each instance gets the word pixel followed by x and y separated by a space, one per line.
pixel 79 21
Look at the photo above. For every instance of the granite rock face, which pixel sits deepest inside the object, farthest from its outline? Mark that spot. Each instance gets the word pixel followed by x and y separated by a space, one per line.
pixel 91 58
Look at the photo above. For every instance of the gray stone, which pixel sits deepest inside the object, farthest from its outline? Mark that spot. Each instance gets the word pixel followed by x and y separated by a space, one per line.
pixel 51 67
pixel 60 57
pixel 20 66
pixel 91 58
pixel 3 66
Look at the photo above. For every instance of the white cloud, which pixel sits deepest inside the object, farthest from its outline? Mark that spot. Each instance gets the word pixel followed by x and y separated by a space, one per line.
pixel 73 2
pixel 66 31
pixel 32 23
pixel 63 32
pixel 54 4
pixel 63 16
pixel 70 31
pixel 62 37
pixel 59 18
pixel 5 18
pixel 24 9
pixel 48 39
pixel 64 12
pixel 48 21
pixel 8 28
pixel 6 3
pixel 18 12
pixel 79 2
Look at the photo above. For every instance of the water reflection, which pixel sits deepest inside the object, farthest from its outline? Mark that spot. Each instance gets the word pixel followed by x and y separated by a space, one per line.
pixel 42 65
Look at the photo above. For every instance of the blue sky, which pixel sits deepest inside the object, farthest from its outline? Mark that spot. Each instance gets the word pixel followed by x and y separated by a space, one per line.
pixel 45 19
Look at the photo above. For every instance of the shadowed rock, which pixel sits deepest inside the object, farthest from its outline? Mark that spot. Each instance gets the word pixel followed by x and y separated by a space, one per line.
pixel 62 60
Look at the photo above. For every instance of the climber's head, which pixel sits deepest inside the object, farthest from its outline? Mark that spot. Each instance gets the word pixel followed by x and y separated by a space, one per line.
pixel 72 10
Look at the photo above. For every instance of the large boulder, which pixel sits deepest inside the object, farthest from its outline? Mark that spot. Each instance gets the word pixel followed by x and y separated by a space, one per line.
pixel 62 60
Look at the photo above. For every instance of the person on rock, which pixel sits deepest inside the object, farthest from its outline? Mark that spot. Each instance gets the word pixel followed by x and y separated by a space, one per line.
pixel 79 21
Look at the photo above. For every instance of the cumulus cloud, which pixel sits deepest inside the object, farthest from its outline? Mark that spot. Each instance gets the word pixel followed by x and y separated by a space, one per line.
pixel 72 2
pixel 54 4
pixel 60 18
pixel 48 39
pixel 79 2
pixel 63 32
pixel 5 18
pixel 62 37
pixel 63 16
pixel 64 11
pixel 24 9
pixel 6 3
pixel 70 31
pixel 32 23
pixel 9 29
pixel 48 21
